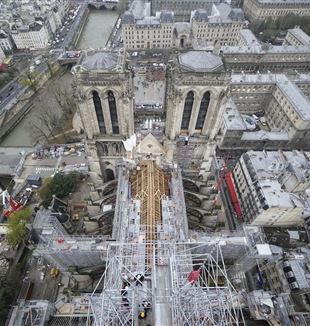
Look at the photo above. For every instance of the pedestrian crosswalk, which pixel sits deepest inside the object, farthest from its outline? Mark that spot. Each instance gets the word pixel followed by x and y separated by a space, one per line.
pixel 44 169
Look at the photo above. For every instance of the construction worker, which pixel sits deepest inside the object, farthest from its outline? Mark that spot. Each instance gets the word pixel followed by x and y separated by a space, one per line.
pixel 142 315
pixel 186 139
pixel 139 278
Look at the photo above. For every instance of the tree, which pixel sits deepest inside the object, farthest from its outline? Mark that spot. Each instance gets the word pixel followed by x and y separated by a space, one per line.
pixel 65 102
pixel 46 192
pixel 29 79
pixel 46 121
pixel 60 186
pixel 17 226
pixel 52 116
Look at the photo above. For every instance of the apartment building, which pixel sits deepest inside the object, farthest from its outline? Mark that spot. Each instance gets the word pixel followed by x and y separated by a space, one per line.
pixel 266 57
pixel 182 9
pixel 284 105
pixel 221 27
pixel 5 42
pixel 296 36
pixel 261 10
pixel 290 275
pixel 2 55
pixel 268 196
pixel 33 36
pixel 148 32
pixel 247 38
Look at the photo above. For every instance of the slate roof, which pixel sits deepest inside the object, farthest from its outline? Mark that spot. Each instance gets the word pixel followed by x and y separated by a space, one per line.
pixel 200 61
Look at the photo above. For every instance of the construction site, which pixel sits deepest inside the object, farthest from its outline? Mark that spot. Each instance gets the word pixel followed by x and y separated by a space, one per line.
pixel 155 271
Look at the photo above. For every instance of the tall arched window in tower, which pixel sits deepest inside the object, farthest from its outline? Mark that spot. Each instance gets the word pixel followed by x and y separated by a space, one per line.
pixel 99 112
pixel 113 112
pixel 204 104
pixel 188 106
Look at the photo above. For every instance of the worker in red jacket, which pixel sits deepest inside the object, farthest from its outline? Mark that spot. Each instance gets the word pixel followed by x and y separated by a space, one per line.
pixel 194 275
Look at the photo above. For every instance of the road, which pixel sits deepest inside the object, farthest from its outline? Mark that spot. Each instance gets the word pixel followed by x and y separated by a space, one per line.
pixel 13 90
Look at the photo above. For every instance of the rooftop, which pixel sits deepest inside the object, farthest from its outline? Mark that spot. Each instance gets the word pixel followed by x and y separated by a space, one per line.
pixel 200 61
pixel 232 117
pixel 182 27
pixel 225 13
pixel 266 48
pixel 265 135
pixel 274 195
pixel 300 102
pixel 300 35
pixel 295 96
pixel 289 168
pixel 148 21
pixel 282 2
pixel 248 37
pixel 101 61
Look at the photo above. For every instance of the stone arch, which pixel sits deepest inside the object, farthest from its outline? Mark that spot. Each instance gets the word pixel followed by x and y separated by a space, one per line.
pixel 203 109
pixel 109 174
pixel 99 111
pixel 192 200
pixel 192 212
pixel 102 149
pixel 109 199
pixel 187 110
pixel 183 39
pixel 109 188
pixel 113 111
pixel 190 185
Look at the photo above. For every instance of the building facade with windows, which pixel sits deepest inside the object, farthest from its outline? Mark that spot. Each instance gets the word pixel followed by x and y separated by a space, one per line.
pixel 202 99
pixel 266 196
pixel 181 8
pixel 266 57
pixel 296 36
pixel 221 27
pixel 290 275
pixel 261 10
pixel 2 55
pixel 105 102
pixel 5 42
pixel 284 105
pixel 33 36
pixel 148 32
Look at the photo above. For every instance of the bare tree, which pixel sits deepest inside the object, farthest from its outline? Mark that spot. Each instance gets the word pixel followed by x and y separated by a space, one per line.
pixel 52 117
pixel 65 101
pixel 47 120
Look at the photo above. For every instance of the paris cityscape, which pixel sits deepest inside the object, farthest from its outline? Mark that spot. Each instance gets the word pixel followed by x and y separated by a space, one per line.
pixel 154 162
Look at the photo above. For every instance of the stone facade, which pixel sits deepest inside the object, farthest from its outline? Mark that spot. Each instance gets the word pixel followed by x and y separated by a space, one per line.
pixel 33 36
pixel 2 55
pixel 260 10
pixel 182 9
pixel 149 32
pixel 105 102
pixel 206 105
pixel 265 57
pixel 220 26
pixel 284 106
pixel 296 36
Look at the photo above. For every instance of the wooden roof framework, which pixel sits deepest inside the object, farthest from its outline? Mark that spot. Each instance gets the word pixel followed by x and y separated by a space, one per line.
pixel 149 185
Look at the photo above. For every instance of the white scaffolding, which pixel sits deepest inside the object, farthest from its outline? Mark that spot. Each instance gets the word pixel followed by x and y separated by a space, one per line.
pixel 78 251
pixel 211 299
pixel 168 293
pixel 63 250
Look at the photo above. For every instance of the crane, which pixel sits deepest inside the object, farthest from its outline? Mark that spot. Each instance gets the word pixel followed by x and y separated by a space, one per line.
pixel 10 205
pixel 226 176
